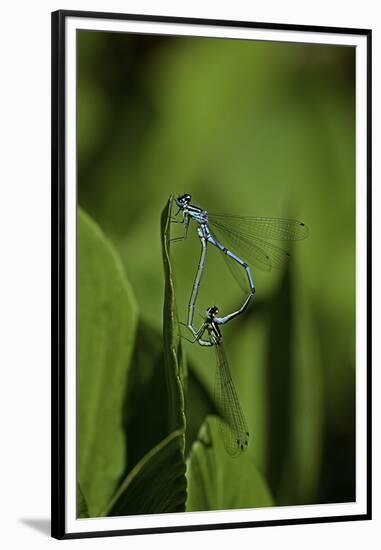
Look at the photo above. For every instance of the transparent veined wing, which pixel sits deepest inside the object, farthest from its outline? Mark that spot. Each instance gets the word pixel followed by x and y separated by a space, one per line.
pixel 234 429
pixel 277 229
pixel 244 237
pixel 253 250
pixel 238 273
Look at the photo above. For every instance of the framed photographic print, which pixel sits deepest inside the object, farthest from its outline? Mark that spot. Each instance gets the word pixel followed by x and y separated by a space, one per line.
pixel 211 274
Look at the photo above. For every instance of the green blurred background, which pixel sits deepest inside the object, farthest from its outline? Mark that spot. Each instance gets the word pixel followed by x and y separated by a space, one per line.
pixel 249 128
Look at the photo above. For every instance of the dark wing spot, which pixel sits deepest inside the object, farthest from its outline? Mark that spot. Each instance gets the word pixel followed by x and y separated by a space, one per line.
pixel 288 254
pixel 242 447
pixel 247 433
pixel 237 441
pixel 302 224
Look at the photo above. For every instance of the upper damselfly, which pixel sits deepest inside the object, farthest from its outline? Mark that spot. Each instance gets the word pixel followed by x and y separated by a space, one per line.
pixel 244 242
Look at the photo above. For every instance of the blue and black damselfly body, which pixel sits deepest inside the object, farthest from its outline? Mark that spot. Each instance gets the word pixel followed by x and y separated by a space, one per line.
pixel 234 428
pixel 244 242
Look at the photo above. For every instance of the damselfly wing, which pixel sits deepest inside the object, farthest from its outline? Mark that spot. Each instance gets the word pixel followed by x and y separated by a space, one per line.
pixel 249 238
pixel 234 429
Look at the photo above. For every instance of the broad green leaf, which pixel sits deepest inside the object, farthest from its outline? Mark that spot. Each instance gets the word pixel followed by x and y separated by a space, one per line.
pixel 145 408
pixel 175 365
pixel 106 322
pixel 157 484
pixel 218 482
pixel 82 510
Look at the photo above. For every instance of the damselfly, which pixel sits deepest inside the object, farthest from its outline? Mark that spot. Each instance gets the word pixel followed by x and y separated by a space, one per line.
pixel 243 241
pixel 233 426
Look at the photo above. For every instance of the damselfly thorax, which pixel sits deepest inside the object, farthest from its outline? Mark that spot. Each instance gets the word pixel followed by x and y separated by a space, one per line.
pixel 214 332
pixel 197 214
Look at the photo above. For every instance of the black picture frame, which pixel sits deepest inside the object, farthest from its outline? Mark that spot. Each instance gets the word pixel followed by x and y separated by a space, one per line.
pixel 58 248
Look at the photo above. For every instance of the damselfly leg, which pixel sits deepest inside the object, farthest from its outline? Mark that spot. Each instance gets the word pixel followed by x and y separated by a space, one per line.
pixel 197 283
pixel 185 222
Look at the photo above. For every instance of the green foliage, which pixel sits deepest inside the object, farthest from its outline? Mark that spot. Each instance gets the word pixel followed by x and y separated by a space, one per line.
pixel 82 510
pixel 199 404
pixel 294 404
pixel 116 411
pixel 250 128
pixel 106 321
pixel 218 482
pixel 175 365
pixel 157 483
pixel 146 414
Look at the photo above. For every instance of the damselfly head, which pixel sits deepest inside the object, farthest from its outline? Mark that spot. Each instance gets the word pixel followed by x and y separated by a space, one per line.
pixel 183 200
pixel 212 312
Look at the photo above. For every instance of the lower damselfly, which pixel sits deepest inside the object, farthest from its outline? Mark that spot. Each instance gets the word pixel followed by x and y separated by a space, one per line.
pixel 244 242
pixel 234 429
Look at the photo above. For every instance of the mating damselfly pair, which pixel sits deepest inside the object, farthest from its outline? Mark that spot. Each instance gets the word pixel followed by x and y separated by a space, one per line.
pixel 244 242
